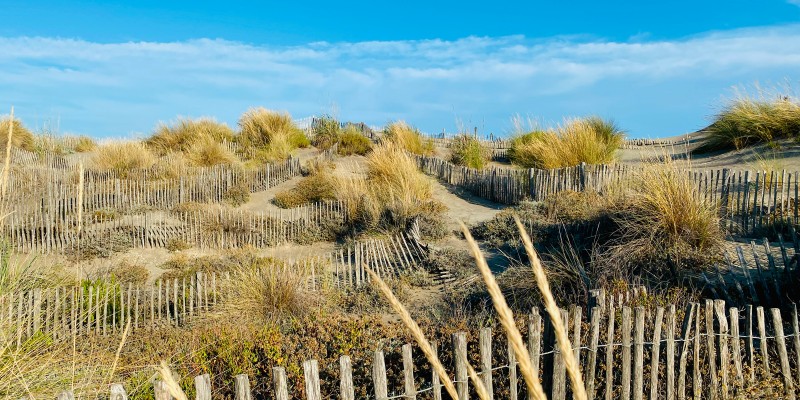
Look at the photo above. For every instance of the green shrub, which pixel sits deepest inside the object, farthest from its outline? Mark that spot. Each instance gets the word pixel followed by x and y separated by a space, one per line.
pixel 351 142
pixel 468 151
pixel 589 140
pixel 237 195
pixel 318 186
pixel 747 121
pixel 325 132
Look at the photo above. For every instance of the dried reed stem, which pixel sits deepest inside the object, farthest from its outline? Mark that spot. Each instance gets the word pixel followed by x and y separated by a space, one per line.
pixel 507 320
pixel 7 166
pixel 405 316
pixel 480 388
pixel 573 369
pixel 171 384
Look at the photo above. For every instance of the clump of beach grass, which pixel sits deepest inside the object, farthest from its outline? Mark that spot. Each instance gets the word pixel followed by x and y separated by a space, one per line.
pixel 22 138
pixel 748 120
pixel 470 152
pixel 590 140
pixel 207 152
pixel 352 142
pixel 409 138
pixel 183 134
pixel 269 135
pixel 325 132
pixel 122 157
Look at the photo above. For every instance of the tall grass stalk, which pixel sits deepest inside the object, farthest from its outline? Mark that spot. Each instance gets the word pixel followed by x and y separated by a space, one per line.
pixel 7 166
pixel 506 317
pixel 573 369
pixel 416 332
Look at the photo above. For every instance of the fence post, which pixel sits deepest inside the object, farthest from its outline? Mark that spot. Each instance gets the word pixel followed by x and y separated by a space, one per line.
pixel 408 372
pixel 655 353
pixel 160 391
pixel 66 395
pixel 626 353
pixel 118 392
pixel 485 344
pixel 242 387
pixel 780 339
pixel 311 372
pixel 462 384
pixel 379 376
pixel 279 383
pixel 512 372
pixel 582 171
pixel 202 385
pixel 346 378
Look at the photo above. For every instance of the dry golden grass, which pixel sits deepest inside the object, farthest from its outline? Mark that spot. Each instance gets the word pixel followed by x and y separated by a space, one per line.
pixel 184 133
pixel 747 120
pixel 408 138
pixel 269 135
pixel 663 213
pixel 584 140
pixel 397 179
pixel 122 157
pixel 22 138
pixel 562 337
pixel 506 319
pixel 416 332
pixel 319 186
pixel 84 144
pixel 207 152
pixel 268 290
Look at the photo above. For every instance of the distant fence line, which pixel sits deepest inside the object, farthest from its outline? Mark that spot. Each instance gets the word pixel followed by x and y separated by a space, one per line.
pixel 706 350
pixel 48 194
pixel 202 228
pixel 104 306
pixel 748 200
pixel 637 143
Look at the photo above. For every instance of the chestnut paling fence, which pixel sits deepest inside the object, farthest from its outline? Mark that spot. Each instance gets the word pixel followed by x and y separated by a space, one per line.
pixel 748 200
pixel 705 350
pixel 105 306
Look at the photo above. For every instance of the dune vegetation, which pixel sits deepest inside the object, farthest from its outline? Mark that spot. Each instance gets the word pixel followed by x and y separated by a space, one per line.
pixel 590 140
pixel 468 151
pixel 748 120
pixel 408 138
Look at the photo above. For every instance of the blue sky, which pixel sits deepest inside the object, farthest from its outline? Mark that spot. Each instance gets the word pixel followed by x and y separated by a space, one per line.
pixel 113 69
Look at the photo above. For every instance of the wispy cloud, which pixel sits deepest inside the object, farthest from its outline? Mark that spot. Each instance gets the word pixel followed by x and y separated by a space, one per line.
pixel 117 88
pixel 794 2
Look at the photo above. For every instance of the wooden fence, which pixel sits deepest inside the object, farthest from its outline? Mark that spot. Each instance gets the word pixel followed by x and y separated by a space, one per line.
pixel 748 200
pixel 705 350
pixel 104 306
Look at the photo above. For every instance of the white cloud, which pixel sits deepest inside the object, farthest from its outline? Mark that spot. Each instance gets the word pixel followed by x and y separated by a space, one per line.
pixel 374 81
pixel 794 2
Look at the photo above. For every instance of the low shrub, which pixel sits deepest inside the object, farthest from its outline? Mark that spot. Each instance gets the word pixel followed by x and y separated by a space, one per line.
pixel 468 151
pixel 122 157
pixel 177 244
pixel 408 138
pixel 183 134
pixel 316 187
pixel 325 132
pixel 21 137
pixel 352 142
pixel 127 272
pixel 269 135
pixel 589 140
pixel 237 195
pixel 747 121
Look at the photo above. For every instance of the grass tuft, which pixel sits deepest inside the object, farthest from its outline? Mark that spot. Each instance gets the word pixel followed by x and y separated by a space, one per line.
pixel 408 138
pixel 183 134
pixel 589 140
pixel 468 151
pixel 22 137
pixel 206 152
pixel 122 157
pixel 325 132
pixel 747 120
pixel 270 135
pixel 352 142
